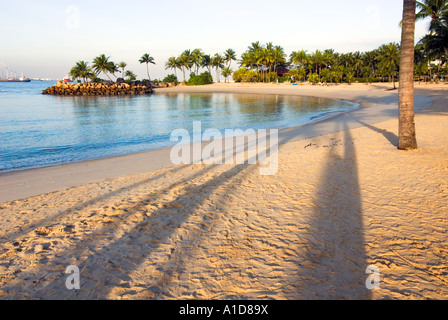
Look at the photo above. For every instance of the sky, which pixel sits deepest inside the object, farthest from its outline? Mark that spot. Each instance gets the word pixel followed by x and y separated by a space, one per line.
pixel 46 38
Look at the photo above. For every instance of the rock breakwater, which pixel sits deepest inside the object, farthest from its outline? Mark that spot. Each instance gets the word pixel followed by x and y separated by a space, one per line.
pixel 100 89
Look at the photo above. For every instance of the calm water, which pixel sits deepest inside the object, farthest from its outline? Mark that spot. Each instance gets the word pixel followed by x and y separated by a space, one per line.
pixel 38 130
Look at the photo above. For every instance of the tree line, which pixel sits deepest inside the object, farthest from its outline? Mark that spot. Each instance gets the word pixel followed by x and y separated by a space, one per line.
pixel 196 59
pixel 103 64
pixel 269 62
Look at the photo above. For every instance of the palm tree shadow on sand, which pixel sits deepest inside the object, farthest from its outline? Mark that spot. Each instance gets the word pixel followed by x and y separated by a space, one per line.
pixel 391 137
pixel 334 266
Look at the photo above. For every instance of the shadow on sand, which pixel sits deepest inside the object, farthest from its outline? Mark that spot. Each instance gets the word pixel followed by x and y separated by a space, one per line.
pixel 336 259
pixel 391 137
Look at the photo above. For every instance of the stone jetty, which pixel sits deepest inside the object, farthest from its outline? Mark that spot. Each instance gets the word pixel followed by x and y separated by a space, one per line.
pixel 100 89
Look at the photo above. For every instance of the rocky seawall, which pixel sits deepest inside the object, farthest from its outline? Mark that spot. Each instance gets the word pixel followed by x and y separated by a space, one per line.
pixel 100 89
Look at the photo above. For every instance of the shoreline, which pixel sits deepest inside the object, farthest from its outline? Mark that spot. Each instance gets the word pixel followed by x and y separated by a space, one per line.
pixel 26 183
pixel 315 119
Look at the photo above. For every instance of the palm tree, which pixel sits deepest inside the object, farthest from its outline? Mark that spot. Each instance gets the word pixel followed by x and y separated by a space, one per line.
pixel 299 58
pixel 131 76
pixel 389 57
pixel 436 42
pixel 421 61
pixel 226 72
pixel 255 46
pixel 349 75
pixel 181 64
pixel 206 62
pixel 102 64
pixel 406 128
pixel 357 62
pixel 262 58
pixel 328 58
pixel 196 58
pixel 113 68
pixel 370 61
pixel 247 60
pixel 431 8
pixel 317 58
pixel 278 56
pixel 171 64
pixel 296 74
pixel 229 56
pixel 187 60
pixel 218 63
pixel 122 65
pixel 81 70
pixel 346 60
pixel 146 58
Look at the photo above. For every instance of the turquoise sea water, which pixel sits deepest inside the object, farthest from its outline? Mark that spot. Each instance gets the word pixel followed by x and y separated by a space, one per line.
pixel 39 130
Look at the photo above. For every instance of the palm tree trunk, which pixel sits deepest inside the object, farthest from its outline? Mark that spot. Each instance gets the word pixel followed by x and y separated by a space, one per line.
pixel 108 76
pixel 147 71
pixel 406 129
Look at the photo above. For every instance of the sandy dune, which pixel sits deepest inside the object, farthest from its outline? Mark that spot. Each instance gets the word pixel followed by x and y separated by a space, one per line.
pixel 344 198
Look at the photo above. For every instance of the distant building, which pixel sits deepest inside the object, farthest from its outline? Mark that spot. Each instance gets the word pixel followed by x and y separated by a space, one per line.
pixel 281 71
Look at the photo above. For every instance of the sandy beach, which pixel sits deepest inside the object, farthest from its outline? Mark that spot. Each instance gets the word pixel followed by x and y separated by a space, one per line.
pixel 344 198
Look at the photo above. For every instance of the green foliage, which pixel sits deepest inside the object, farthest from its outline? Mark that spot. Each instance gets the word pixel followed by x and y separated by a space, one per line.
pixel 296 75
pixel 244 75
pixel 338 72
pixel 171 78
pixel 260 61
pixel 251 76
pixel 313 78
pixel 202 79
pixel 349 75
pixel 102 64
pixel 96 80
pixel 147 59
pixel 238 74
pixel 389 57
pixel 327 75
pixel 130 75
pixel 283 79
pixel 226 72
pixel 272 76
pixel 81 70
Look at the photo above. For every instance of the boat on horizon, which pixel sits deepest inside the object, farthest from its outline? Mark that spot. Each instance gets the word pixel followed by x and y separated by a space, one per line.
pixel 67 79
pixel 15 80
pixel 21 79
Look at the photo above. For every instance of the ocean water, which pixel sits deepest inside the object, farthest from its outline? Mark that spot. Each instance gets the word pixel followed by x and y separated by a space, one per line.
pixel 39 130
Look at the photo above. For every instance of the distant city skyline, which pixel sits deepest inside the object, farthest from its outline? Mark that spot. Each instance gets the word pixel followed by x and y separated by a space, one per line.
pixel 48 37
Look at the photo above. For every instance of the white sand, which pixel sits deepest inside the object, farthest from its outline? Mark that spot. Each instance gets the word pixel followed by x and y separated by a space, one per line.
pixel 342 200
